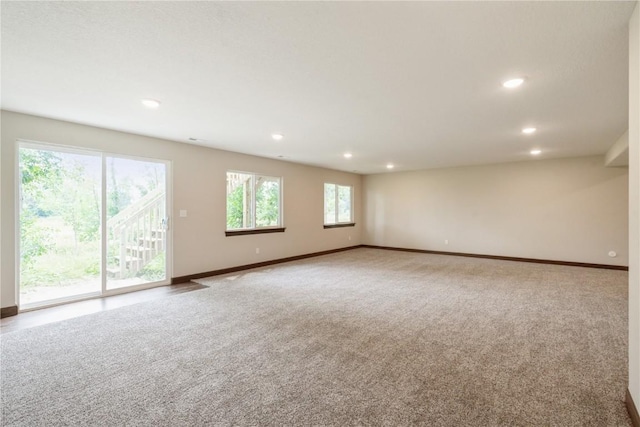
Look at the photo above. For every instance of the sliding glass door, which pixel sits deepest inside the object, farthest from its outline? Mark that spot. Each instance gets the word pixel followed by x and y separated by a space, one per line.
pixel 136 222
pixel 66 196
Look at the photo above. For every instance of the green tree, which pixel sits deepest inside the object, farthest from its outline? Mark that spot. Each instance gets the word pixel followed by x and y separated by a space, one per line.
pixel 235 208
pixel 34 239
pixel 267 202
pixel 240 202
pixel 81 207
pixel 41 177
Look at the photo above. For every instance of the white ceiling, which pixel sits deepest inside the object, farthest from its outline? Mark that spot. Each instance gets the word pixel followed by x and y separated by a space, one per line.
pixel 413 83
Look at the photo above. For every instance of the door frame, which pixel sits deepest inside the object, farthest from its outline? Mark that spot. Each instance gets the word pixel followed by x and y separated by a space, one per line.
pixel 103 155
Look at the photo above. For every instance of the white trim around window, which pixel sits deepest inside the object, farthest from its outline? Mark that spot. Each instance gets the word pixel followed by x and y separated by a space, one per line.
pixel 338 205
pixel 253 203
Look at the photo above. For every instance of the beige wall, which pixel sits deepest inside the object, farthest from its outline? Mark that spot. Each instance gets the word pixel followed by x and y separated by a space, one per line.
pixel 634 206
pixel 564 209
pixel 199 186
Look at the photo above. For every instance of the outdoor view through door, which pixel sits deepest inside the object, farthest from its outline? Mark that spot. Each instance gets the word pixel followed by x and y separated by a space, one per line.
pixel 136 224
pixel 66 194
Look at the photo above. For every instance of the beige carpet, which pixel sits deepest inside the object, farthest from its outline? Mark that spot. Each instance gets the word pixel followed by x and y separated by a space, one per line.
pixel 364 337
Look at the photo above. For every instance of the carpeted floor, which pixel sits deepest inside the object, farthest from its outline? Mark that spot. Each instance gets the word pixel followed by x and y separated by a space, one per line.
pixel 363 337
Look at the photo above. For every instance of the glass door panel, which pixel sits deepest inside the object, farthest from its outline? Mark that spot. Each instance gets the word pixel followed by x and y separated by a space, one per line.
pixel 136 227
pixel 59 224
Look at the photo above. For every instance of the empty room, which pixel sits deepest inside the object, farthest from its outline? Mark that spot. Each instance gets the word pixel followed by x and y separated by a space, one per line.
pixel 320 213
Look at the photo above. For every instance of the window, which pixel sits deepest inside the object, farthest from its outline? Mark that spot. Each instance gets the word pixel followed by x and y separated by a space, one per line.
pixel 337 205
pixel 253 203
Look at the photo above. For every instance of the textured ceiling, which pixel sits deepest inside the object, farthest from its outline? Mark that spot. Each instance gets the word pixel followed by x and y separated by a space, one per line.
pixel 413 83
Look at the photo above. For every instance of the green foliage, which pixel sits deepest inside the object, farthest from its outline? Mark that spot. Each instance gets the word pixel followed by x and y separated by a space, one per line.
pixel 51 187
pixel 81 207
pixel 92 268
pixel 155 269
pixel 62 264
pixel 55 190
pixel 344 203
pixel 40 170
pixel 267 203
pixel 235 209
pixel 118 190
pixel 41 176
pixel 34 239
pixel 60 214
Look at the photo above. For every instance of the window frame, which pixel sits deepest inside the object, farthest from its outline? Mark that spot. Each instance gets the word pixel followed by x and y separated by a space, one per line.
pixel 279 228
pixel 338 223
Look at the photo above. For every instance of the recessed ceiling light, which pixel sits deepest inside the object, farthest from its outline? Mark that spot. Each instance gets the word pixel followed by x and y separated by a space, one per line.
pixel 535 152
pixel 390 166
pixel 528 131
pixel 277 136
pixel 347 155
pixel 150 103
pixel 513 83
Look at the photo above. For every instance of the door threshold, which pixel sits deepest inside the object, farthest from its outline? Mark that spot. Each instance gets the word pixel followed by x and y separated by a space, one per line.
pixel 89 296
pixel 63 311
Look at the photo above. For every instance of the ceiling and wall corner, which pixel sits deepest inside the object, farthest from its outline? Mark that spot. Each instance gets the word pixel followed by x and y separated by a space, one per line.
pixel 415 84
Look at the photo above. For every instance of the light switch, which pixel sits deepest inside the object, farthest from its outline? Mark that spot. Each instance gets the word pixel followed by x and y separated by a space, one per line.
pixel 183 213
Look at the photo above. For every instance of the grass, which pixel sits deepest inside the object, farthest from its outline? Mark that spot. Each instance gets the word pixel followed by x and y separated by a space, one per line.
pixel 72 263
pixel 66 263
pixel 155 269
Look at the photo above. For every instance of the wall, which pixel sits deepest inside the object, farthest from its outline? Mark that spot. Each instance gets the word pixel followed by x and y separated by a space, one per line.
pixel 618 154
pixel 634 206
pixel 563 209
pixel 199 186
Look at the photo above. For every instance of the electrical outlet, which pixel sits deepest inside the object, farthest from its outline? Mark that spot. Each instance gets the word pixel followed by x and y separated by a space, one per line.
pixel 446 242
pixel 257 250
pixel 349 237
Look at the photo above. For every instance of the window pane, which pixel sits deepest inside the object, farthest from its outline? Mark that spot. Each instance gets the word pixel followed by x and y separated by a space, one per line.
pixel 239 208
pixel 136 222
pixel 60 208
pixel 267 201
pixel 329 204
pixel 344 204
